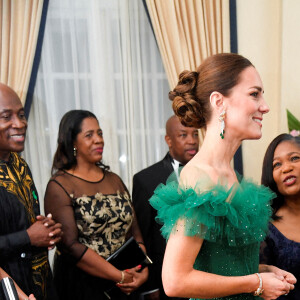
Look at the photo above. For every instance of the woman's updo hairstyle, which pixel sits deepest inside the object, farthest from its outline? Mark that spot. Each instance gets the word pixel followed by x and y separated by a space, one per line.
pixel 218 73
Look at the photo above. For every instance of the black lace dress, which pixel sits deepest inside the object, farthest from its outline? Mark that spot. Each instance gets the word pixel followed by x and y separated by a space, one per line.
pixel 97 215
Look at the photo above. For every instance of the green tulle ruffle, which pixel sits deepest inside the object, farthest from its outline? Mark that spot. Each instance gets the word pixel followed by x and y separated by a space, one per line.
pixel 237 216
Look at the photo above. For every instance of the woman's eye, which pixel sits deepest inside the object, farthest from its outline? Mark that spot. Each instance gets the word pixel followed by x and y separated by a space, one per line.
pixel 293 158
pixel 254 94
pixel 276 165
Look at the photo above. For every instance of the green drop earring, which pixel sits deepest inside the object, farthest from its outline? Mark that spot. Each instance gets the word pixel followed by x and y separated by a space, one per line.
pixel 221 119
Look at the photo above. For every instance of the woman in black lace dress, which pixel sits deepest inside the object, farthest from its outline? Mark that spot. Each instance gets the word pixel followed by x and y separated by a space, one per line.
pixel 95 210
pixel 281 173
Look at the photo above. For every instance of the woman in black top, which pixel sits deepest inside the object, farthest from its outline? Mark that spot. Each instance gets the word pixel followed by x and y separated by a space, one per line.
pixel 96 213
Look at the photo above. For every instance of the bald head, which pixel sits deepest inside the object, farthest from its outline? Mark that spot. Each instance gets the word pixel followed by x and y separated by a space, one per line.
pixel 183 141
pixel 171 125
pixel 13 123
pixel 6 92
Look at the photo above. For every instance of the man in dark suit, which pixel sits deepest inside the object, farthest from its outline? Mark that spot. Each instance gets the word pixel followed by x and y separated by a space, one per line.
pixel 183 144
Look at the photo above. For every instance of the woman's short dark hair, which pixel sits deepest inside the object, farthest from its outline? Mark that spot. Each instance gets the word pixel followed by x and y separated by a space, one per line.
pixel 69 127
pixel 267 178
pixel 191 97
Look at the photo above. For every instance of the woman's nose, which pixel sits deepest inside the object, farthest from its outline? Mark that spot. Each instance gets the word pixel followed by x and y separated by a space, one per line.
pixel 287 167
pixel 264 107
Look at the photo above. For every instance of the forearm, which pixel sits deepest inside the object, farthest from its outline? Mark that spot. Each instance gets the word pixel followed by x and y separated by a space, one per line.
pixel 206 285
pixel 13 242
pixel 180 279
pixel 95 265
pixel 21 294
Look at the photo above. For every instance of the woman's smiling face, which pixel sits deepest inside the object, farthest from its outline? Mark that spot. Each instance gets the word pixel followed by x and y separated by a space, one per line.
pixel 286 168
pixel 246 105
pixel 89 142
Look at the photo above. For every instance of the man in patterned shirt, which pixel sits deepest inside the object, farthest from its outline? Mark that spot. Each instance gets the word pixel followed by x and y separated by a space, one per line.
pixel 25 235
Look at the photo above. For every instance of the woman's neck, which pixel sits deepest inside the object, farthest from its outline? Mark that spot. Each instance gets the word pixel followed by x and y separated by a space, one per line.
pixel 292 204
pixel 218 152
pixel 87 171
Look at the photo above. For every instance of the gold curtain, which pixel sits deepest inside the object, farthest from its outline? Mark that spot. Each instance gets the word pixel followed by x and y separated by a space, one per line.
pixel 188 31
pixel 19 28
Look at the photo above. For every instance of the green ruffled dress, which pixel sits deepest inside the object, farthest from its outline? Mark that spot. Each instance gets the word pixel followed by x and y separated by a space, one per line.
pixel 232 221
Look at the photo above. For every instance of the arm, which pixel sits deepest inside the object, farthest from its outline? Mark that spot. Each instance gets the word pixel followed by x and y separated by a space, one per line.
pixel 58 203
pixel 13 242
pixel 267 261
pixel 43 233
pixel 139 276
pixel 21 294
pixel 37 235
pixel 180 279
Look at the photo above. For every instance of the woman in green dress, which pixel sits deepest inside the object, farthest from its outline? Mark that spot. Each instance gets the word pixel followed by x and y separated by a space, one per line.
pixel 213 220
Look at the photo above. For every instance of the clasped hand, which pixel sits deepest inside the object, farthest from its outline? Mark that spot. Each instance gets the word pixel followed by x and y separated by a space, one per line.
pixel 138 277
pixel 45 232
pixel 276 283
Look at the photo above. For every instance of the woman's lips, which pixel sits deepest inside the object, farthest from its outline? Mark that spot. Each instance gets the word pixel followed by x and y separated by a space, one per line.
pixel 99 150
pixel 290 180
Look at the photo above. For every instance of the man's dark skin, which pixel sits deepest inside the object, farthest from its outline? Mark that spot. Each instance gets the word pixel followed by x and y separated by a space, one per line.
pixel 44 232
pixel 183 141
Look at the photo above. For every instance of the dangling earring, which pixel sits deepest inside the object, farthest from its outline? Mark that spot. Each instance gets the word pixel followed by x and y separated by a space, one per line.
pixel 74 151
pixel 221 119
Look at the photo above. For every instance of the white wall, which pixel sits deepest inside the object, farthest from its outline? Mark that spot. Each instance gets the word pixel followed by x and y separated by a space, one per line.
pixel 290 78
pixel 267 35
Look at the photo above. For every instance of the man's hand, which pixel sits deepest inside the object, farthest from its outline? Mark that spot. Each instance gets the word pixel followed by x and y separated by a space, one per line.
pixel 45 232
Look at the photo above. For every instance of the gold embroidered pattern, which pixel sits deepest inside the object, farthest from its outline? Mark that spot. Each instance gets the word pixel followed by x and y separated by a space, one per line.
pixel 15 179
pixel 40 270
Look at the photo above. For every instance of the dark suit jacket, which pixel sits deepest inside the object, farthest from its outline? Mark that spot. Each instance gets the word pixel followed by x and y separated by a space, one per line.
pixel 144 184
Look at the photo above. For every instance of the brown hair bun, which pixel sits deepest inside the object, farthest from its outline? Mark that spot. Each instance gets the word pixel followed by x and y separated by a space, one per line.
pixel 184 104
pixel 191 97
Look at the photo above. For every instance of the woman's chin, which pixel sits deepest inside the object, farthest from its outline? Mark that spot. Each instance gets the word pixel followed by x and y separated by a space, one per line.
pixel 254 135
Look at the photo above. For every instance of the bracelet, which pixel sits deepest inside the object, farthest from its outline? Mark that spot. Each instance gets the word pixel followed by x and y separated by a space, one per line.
pixel 123 277
pixel 259 290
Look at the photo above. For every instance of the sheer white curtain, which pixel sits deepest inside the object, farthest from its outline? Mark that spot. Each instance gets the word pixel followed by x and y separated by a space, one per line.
pixel 101 56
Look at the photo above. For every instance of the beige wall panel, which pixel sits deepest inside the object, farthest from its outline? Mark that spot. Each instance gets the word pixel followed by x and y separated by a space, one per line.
pixel 290 77
pixel 259 39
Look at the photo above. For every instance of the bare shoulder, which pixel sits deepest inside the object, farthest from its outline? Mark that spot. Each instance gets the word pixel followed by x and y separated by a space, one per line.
pixel 197 175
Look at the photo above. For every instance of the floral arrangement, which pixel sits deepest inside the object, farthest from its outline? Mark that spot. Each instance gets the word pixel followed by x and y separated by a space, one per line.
pixel 293 124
